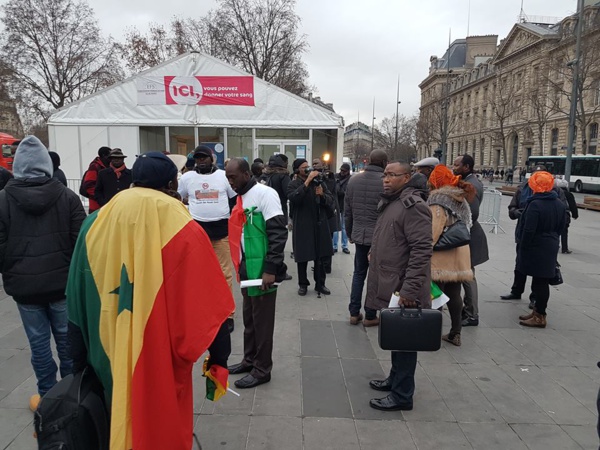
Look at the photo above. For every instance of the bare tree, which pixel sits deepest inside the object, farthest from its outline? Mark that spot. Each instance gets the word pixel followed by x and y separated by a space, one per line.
pixel 504 108
pixel 404 148
pixel 560 80
pixel 430 123
pixel 54 54
pixel 261 36
pixel 539 100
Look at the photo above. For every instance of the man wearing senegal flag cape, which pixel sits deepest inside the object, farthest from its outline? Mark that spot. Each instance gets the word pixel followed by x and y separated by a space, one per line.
pixel 257 237
pixel 137 315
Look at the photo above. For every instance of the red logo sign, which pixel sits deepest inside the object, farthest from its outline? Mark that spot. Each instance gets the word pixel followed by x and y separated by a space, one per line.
pixel 204 185
pixel 209 90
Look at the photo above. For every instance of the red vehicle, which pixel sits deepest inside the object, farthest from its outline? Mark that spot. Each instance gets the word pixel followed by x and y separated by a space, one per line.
pixel 6 157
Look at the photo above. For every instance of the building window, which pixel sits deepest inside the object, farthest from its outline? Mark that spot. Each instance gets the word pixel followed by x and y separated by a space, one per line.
pixel 593 139
pixel 152 139
pixel 597 94
pixel 554 142
pixel 239 143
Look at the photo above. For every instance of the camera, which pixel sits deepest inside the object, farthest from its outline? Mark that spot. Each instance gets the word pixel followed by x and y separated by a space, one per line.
pixel 318 180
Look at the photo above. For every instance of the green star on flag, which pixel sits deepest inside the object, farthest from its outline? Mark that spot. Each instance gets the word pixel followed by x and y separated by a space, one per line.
pixel 125 292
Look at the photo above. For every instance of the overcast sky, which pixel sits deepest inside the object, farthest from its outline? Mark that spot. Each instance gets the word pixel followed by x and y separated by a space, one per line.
pixel 358 48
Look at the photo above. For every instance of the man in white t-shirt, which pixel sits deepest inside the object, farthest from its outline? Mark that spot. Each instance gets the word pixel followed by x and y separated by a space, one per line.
pixel 207 193
pixel 258 234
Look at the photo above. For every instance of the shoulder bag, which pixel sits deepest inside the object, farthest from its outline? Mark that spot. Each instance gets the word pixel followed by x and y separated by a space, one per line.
pixel 453 236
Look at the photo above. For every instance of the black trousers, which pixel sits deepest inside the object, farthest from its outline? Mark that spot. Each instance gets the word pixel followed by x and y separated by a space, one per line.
pixel 519 280
pixel 541 290
pixel 564 239
pixel 259 323
pixel 402 376
pixel 319 273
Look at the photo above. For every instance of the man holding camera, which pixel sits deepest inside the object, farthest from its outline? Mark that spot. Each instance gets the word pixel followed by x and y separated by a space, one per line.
pixel 313 204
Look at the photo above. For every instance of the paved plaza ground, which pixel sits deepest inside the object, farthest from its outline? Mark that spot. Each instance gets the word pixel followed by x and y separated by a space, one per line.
pixel 507 387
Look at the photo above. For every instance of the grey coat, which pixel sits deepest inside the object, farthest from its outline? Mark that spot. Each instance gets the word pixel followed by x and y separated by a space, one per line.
pixel 401 250
pixel 360 205
pixel 478 245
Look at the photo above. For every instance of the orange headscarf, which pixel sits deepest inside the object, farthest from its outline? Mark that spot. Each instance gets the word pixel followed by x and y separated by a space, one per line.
pixel 541 181
pixel 442 176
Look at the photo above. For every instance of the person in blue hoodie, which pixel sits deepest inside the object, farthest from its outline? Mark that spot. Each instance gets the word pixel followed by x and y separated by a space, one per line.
pixel 39 223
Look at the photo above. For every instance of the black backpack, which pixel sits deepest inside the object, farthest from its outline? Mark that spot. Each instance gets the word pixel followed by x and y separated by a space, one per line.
pixel 82 191
pixel 73 416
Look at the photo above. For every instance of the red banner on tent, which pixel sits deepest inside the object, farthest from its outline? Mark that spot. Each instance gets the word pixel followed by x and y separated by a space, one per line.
pixel 209 90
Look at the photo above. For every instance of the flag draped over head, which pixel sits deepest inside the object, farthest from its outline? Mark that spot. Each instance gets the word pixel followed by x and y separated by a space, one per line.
pixel 134 293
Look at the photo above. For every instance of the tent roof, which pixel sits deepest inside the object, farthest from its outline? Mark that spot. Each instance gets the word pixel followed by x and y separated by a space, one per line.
pixel 118 104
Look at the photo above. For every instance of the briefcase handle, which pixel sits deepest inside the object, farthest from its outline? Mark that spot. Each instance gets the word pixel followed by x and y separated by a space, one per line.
pixel 411 315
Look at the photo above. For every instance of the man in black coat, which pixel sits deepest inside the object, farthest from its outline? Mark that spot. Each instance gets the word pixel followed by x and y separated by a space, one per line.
pixel 113 179
pixel 39 223
pixel 341 181
pixel 277 176
pixel 313 204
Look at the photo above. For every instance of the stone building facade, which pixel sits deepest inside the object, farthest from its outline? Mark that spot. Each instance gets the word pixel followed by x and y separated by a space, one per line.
pixel 504 103
pixel 357 142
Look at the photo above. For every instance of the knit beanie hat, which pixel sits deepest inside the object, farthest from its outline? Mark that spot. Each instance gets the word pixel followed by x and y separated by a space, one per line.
pixel 442 176
pixel 32 160
pixel 541 182
pixel 153 170
pixel 297 163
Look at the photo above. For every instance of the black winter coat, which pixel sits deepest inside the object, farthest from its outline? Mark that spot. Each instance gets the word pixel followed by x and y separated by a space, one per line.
pixel 478 244
pixel 334 221
pixel 39 224
pixel 310 221
pixel 362 197
pixel 108 185
pixel 538 233
pixel 278 178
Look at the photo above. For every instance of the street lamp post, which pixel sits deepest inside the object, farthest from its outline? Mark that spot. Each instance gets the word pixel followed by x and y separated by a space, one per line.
pixel 396 133
pixel 575 65
pixel 445 105
pixel 373 127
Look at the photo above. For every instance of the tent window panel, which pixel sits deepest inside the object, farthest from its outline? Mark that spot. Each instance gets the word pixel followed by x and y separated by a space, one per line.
pixel 282 133
pixel 210 134
pixel 181 140
pixel 325 142
pixel 152 139
pixel 239 143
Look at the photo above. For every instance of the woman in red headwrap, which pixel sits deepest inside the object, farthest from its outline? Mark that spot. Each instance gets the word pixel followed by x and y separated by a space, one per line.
pixel 538 235
pixel 449 202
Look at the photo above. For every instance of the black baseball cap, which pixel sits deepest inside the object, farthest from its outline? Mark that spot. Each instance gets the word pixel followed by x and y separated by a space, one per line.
pixel 202 150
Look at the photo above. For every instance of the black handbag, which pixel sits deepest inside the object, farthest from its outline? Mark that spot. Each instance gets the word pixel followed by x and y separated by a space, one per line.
pixel 557 279
pixel 410 330
pixel 453 236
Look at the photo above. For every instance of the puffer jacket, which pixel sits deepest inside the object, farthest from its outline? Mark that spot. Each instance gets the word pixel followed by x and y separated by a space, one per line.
pixel 39 224
pixel 455 264
pixel 360 205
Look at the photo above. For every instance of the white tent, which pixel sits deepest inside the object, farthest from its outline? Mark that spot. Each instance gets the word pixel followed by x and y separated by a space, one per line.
pixel 193 92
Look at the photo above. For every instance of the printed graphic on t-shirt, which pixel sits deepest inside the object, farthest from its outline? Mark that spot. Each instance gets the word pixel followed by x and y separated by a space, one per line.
pixel 207 195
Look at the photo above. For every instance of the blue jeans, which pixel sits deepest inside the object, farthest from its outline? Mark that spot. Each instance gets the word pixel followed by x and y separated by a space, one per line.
pixel 39 321
pixel 361 267
pixel 344 235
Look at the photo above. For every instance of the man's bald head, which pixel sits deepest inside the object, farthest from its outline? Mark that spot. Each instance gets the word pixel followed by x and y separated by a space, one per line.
pixel 378 158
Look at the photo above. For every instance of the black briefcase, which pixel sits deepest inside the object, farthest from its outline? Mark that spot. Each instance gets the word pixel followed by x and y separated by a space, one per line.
pixel 410 330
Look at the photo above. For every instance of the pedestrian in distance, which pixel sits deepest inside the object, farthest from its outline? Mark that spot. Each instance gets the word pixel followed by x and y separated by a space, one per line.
pixel 114 179
pixel 363 194
pixel 571 211
pixel 90 177
pixel 137 316
pixel 400 262
pixel 538 234
pixel 333 220
pixel 39 222
pixel 426 165
pixel 58 173
pixel 449 202
pixel 257 170
pixel 341 181
pixel 258 234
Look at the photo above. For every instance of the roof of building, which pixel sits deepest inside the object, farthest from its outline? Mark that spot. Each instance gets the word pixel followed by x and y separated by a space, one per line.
pixel 540 29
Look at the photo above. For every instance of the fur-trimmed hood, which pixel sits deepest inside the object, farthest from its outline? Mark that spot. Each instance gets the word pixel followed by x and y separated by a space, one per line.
pixel 453 199
pixel 271 170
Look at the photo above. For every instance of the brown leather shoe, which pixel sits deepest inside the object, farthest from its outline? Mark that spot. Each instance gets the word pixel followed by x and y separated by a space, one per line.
pixel 355 319
pixel 526 316
pixel 452 339
pixel 536 321
pixel 371 322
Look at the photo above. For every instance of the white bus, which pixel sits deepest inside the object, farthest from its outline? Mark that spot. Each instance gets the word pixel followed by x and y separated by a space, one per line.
pixel 585 170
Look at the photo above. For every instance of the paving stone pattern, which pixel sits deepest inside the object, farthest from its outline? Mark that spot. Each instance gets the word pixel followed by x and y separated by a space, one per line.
pixel 507 387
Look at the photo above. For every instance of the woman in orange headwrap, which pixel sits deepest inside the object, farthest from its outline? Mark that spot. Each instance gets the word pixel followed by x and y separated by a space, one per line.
pixel 449 202
pixel 538 234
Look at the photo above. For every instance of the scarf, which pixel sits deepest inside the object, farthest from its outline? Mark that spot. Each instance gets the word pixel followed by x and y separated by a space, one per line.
pixel 118 170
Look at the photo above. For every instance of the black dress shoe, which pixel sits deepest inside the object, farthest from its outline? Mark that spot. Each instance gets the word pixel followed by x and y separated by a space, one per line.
pixel 511 296
pixel 239 368
pixel 323 290
pixel 230 324
pixel 470 322
pixel 346 251
pixel 389 404
pixel 381 385
pixel 288 277
pixel 249 381
pixel 302 290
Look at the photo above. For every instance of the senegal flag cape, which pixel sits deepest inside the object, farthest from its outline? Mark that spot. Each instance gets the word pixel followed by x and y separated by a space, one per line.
pixel 133 290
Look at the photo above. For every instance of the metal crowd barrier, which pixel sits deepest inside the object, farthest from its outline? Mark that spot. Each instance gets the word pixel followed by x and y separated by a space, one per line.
pixel 489 210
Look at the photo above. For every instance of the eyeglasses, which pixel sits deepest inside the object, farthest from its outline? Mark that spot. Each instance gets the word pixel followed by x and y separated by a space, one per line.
pixel 394 175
